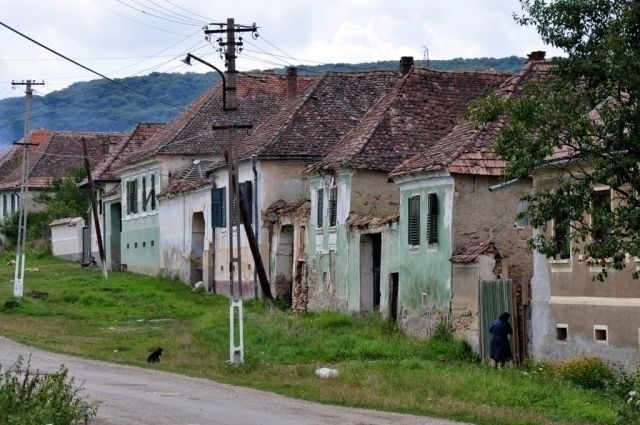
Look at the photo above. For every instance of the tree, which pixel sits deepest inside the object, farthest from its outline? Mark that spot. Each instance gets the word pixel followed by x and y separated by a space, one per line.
pixel 63 197
pixel 583 120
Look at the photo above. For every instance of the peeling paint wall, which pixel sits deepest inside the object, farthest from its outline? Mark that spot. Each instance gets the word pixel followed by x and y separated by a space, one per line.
pixel 575 315
pixel 177 254
pixel 425 272
pixel 334 252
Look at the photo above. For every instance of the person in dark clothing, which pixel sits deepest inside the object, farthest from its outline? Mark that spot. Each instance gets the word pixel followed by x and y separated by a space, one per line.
pixel 500 350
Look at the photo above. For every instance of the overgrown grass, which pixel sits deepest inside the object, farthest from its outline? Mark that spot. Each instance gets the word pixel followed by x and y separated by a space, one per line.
pixel 122 318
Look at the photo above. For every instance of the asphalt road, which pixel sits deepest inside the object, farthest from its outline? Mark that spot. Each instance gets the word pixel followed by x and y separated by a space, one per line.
pixel 137 396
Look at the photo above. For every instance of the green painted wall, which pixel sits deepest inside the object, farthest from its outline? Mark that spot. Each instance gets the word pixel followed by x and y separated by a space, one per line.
pixel 423 268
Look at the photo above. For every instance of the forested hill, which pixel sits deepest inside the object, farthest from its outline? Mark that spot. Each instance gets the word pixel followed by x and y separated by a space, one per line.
pixel 101 105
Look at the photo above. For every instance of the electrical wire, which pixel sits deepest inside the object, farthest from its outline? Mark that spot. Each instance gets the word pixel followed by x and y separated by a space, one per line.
pixel 91 70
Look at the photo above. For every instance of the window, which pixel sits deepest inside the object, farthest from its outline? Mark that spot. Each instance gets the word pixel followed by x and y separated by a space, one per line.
pixel 247 195
pixel 432 219
pixel 4 205
pixel 600 216
pixel 562 331
pixel 333 205
pixel 600 333
pixel 562 236
pixel 219 207
pixel 149 200
pixel 132 196
pixel 320 208
pixel 414 220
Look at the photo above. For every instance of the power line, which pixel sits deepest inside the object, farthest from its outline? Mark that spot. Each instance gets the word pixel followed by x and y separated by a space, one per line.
pixel 91 70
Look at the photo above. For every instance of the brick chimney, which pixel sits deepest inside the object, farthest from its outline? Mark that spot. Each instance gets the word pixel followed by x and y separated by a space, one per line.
pixel 406 63
pixel 292 81
pixel 538 55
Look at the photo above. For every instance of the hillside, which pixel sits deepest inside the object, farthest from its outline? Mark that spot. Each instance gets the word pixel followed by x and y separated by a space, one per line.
pixel 101 105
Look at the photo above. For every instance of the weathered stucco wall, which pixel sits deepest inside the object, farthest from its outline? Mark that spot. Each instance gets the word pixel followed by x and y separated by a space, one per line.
pixel 425 271
pixel 573 314
pixel 483 215
pixel 372 194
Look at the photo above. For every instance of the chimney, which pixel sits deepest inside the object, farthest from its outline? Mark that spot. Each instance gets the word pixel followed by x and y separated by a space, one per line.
pixel 292 81
pixel 536 56
pixel 406 63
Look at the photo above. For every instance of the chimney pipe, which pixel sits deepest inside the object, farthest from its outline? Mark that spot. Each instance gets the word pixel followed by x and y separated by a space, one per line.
pixel 406 63
pixel 292 81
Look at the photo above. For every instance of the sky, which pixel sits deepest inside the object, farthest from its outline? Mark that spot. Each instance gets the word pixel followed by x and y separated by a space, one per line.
pixel 125 38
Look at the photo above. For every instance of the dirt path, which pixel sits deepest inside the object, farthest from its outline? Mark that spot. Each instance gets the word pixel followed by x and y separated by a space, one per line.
pixel 136 396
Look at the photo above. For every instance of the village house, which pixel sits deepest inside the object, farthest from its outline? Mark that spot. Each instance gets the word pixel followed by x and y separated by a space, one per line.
pixel 107 185
pixel 355 262
pixel 463 255
pixel 572 312
pixel 52 154
pixel 270 162
pixel 171 238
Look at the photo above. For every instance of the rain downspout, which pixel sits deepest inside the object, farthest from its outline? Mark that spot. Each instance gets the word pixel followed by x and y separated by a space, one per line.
pixel 255 219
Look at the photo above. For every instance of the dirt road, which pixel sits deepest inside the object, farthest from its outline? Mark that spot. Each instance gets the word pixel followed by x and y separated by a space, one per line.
pixel 137 396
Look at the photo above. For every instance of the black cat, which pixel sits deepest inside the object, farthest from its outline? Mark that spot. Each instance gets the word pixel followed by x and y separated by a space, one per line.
pixel 154 357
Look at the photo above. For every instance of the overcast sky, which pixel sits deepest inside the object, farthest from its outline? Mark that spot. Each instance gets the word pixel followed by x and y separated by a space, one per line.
pixel 122 38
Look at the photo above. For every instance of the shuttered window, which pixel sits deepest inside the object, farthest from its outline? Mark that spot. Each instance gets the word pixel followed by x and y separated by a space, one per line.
pixel 132 196
pixel 219 207
pixel 320 208
pixel 247 195
pixel 333 206
pixel 414 220
pixel 432 219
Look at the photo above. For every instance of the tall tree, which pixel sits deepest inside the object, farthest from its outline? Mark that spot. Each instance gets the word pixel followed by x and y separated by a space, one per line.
pixel 583 120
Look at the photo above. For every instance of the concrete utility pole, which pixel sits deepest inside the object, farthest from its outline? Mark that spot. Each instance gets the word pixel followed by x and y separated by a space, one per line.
pixel 18 280
pixel 236 325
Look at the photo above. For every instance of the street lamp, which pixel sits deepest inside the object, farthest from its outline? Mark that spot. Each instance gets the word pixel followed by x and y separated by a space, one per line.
pixel 187 60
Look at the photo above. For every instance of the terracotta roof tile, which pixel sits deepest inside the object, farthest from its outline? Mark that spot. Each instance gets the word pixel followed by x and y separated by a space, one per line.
pixel 190 133
pixel 468 254
pixel 466 148
pixel 421 109
pixel 136 142
pixel 58 153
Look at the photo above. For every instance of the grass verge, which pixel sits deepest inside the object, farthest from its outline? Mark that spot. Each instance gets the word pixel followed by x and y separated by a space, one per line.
pixel 122 318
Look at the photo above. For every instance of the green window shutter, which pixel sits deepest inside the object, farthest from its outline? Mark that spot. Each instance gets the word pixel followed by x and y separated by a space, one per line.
pixel 414 220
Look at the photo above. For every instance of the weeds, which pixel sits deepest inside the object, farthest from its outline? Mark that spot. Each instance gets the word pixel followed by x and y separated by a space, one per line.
pixel 29 398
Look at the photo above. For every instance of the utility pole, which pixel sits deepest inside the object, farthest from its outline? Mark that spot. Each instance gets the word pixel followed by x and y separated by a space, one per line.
pixel 236 325
pixel 18 279
pixel 94 210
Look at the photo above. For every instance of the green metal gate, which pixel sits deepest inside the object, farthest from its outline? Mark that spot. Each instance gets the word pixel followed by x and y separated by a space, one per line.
pixel 495 297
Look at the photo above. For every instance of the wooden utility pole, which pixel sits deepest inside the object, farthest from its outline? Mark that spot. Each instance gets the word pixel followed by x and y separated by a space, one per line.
pixel 18 280
pixel 94 210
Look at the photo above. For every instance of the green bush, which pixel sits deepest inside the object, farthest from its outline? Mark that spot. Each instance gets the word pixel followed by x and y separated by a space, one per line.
pixel 587 372
pixel 35 399
pixel 443 345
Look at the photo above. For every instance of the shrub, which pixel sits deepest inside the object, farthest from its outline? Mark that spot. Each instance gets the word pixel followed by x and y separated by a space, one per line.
pixel 28 398
pixel 443 345
pixel 587 372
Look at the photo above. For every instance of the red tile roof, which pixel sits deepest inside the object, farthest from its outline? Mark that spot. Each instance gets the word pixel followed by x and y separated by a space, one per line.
pixel 468 254
pixel 421 109
pixel 136 142
pixel 259 96
pixel 467 148
pixel 57 153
